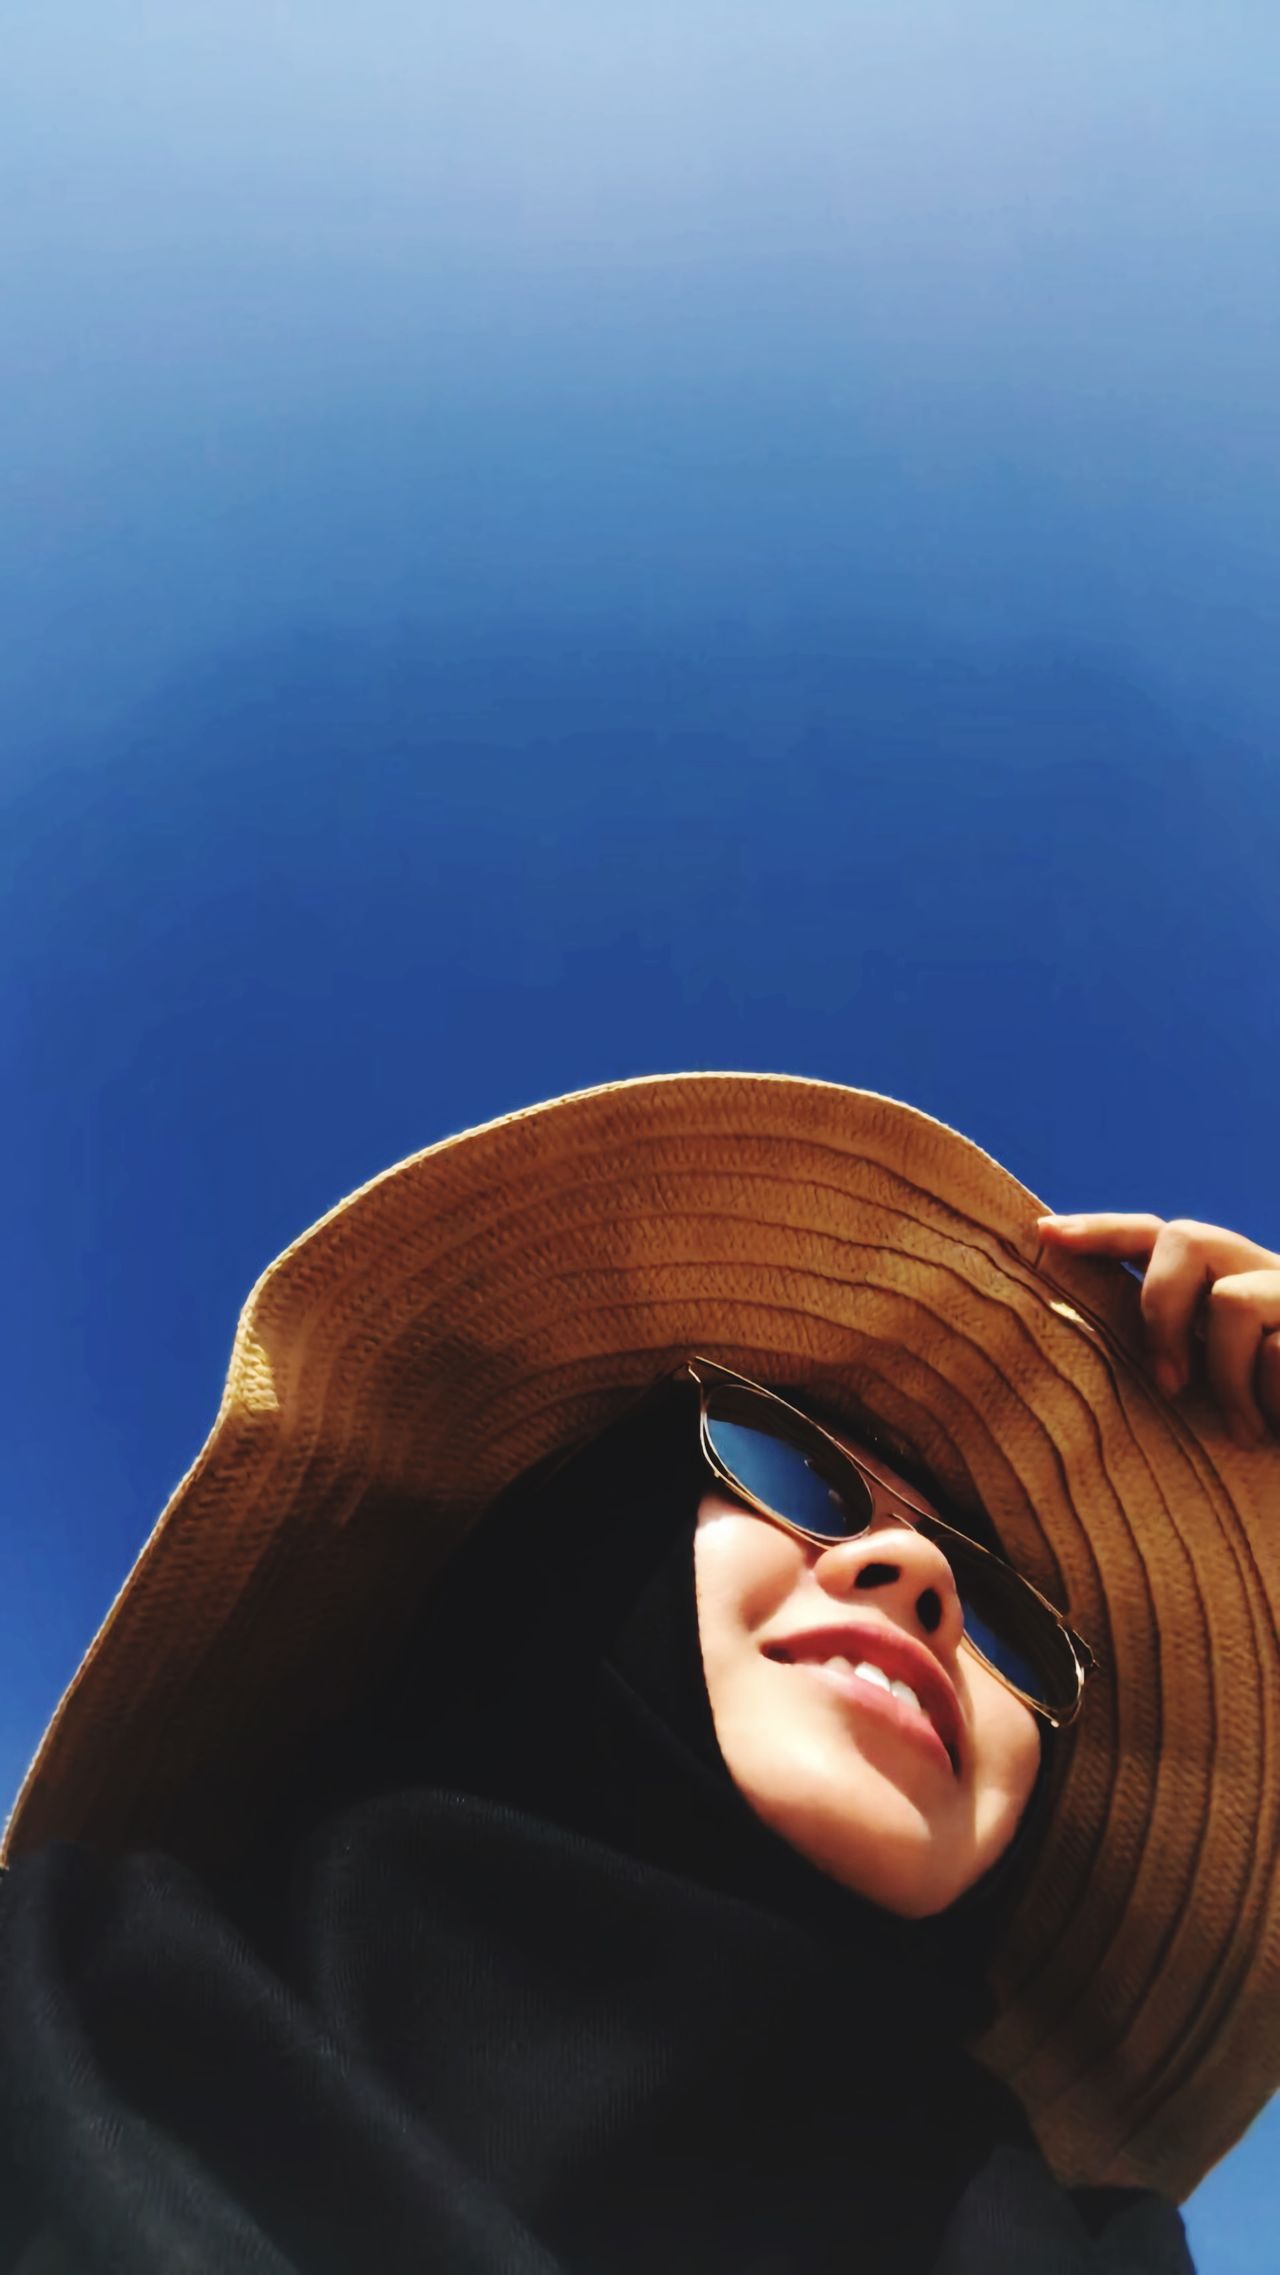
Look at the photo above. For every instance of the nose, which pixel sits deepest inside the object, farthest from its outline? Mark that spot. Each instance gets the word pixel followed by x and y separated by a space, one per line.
pixel 909 1576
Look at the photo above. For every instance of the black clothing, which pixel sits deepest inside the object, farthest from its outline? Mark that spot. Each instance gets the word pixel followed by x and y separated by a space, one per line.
pixel 521 1986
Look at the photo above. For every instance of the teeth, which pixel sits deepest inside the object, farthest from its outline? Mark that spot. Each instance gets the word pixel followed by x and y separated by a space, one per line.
pixel 872 1674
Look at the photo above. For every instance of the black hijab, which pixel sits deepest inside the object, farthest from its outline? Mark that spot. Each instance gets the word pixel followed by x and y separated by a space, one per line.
pixel 515 1983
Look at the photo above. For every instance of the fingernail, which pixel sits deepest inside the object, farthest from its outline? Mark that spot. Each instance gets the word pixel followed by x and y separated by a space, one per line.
pixel 1168 1375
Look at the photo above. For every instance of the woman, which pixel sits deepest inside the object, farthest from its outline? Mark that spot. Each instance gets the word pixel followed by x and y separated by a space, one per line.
pixel 627 1879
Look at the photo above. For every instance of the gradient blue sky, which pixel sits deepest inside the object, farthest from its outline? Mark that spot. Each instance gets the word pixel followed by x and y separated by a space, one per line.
pixel 548 541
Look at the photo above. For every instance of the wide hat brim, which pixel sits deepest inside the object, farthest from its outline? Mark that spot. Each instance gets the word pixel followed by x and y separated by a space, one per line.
pixel 506 1291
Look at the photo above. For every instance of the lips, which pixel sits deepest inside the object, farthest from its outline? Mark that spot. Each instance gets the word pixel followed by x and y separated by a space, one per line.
pixel 899 1656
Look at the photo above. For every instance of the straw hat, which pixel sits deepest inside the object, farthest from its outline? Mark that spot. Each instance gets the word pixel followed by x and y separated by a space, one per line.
pixel 508 1290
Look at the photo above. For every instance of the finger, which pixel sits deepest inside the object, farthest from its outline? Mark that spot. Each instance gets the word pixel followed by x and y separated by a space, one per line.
pixel 1243 1310
pixel 1174 1286
pixel 1103 1233
pixel 1266 1377
pixel 1133 1237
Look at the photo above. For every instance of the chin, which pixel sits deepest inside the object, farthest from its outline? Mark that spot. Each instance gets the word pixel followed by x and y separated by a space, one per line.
pixel 887 1866
pixel 908 1901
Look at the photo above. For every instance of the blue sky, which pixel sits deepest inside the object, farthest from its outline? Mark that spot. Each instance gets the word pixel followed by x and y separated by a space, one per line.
pixel 545 542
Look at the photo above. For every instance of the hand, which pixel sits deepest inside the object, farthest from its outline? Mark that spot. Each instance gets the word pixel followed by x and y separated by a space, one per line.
pixel 1210 1302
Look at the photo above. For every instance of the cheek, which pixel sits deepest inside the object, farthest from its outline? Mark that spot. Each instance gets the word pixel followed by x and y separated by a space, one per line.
pixel 1006 1760
pixel 746 1571
pixel 745 1568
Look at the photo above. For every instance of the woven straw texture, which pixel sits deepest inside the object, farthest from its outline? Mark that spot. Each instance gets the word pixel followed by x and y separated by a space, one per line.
pixel 508 1290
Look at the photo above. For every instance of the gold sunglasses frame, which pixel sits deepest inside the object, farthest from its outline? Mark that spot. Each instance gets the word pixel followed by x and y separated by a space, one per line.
pixel 904 1509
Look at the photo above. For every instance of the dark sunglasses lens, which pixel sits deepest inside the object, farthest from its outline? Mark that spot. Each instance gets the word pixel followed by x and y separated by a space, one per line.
pixel 1012 1629
pixel 800 1479
pixel 1002 1654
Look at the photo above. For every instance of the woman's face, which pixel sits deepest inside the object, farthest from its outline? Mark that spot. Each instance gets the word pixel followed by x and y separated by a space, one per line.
pixel 906 1803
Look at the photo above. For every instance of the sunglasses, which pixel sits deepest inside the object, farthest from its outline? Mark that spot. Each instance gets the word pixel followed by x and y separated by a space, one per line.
pixel 789 1469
